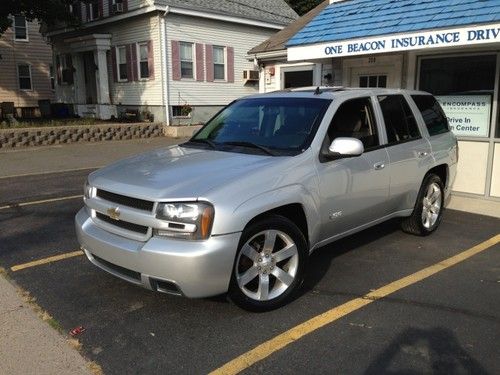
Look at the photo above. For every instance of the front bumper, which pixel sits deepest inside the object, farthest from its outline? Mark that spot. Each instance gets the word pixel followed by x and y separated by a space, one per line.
pixel 194 269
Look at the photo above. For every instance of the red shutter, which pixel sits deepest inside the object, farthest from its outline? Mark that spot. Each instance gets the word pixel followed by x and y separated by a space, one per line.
pixel 58 69
pixel 101 9
pixel 200 67
pixel 209 59
pixel 69 64
pixel 151 60
pixel 113 64
pixel 128 53
pixel 176 61
pixel 230 64
pixel 125 5
pixel 133 54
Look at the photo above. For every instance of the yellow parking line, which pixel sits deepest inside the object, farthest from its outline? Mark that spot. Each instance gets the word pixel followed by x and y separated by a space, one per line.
pixel 14 205
pixel 264 350
pixel 40 262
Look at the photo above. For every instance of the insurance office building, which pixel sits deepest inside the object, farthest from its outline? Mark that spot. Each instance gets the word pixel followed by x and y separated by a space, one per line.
pixel 450 48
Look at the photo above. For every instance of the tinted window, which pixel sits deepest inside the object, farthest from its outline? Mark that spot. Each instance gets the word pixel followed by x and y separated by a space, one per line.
pixel 399 120
pixel 287 124
pixel 355 119
pixel 433 114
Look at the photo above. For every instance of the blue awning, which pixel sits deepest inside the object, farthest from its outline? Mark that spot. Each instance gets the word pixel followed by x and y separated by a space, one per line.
pixel 353 19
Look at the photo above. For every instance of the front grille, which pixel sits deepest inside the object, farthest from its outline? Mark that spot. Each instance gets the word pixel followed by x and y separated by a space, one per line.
pixel 126 201
pixel 123 224
pixel 118 269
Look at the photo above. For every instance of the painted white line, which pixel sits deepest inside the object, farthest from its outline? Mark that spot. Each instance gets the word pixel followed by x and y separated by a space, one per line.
pixel 23 204
pixel 49 172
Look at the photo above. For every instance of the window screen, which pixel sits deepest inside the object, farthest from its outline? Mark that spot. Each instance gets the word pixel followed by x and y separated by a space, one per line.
pixel 433 114
pixel 399 120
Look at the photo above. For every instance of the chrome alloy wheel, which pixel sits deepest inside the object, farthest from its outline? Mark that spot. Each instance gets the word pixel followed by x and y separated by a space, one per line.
pixel 431 205
pixel 267 265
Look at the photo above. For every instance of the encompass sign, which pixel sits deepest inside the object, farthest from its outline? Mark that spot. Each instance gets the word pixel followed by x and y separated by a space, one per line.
pixel 399 42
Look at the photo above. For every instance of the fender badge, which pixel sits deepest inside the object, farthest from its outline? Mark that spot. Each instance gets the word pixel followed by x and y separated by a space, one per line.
pixel 114 213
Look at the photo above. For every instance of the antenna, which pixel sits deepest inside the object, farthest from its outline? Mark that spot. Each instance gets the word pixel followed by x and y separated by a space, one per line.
pixel 318 91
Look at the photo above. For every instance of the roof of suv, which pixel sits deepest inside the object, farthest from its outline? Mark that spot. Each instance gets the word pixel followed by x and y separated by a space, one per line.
pixel 328 92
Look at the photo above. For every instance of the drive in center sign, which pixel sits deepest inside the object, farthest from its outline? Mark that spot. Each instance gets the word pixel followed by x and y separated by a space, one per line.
pixel 468 115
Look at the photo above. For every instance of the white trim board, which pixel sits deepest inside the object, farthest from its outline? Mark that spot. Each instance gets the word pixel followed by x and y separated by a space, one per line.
pixel 463 36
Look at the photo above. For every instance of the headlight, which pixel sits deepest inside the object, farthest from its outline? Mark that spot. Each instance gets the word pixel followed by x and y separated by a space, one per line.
pixel 186 220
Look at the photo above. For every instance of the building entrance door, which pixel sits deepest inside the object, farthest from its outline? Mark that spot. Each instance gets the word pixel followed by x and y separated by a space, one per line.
pixel 89 68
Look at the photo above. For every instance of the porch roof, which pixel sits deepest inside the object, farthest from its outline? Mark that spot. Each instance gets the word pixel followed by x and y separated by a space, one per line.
pixel 350 19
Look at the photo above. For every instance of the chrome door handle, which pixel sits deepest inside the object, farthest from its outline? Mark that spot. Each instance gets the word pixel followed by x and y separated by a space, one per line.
pixel 378 166
pixel 423 154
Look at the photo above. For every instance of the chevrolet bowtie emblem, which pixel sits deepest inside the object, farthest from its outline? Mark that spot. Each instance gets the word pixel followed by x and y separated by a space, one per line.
pixel 114 213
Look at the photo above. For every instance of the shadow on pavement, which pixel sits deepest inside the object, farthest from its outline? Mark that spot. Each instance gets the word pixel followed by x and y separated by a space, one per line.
pixel 434 350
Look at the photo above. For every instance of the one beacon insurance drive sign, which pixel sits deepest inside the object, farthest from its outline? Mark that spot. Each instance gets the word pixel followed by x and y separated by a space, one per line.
pixel 464 36
pixel 468 115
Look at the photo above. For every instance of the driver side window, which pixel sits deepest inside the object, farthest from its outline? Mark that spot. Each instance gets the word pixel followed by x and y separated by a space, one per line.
pixel 354 118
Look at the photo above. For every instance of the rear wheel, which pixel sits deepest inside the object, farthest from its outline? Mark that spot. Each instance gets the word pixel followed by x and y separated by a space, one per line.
pixel 429 208
pixel 269 265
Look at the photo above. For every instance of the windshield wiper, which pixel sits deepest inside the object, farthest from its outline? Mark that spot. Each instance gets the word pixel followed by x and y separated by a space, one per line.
pixel 252 145
pixel 204 141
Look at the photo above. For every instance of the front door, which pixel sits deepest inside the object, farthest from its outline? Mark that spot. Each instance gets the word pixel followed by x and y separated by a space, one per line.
pixel 89 68
pixel 354 190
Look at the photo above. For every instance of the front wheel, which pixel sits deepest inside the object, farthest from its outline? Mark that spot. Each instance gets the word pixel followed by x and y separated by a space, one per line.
pixel 269 265
pixel 429 208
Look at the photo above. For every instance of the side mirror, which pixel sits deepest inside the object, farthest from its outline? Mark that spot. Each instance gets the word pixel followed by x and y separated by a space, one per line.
pixel 345 147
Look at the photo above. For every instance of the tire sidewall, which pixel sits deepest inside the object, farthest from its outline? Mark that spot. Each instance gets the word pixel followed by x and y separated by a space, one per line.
pixel 277 223
pixel 430 179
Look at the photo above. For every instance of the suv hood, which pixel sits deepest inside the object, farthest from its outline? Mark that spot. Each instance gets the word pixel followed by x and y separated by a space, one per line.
pixel 176 172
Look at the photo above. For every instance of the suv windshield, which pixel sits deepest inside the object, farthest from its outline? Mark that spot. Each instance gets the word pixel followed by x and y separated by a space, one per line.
pixel 274 126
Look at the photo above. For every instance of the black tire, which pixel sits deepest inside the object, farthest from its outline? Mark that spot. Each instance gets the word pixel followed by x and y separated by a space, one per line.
pixel 254 232
pixel 414 224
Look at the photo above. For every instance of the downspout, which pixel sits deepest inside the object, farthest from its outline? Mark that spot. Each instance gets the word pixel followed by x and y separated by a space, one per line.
pixel 164 64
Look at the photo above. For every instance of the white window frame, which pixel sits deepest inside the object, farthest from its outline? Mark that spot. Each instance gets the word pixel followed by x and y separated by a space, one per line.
pixel 25 27
pixel 138 49
pixel 118 48
pixel 224 49
pixel 91 12
pixel 193 60
pixel 19 77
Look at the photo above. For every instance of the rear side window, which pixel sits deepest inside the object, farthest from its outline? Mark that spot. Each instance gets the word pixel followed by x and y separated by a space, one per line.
pixel 433 114
pixel 399 120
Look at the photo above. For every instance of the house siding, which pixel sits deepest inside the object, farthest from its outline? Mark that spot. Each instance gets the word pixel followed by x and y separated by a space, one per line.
pixel 196 30
pixel 36 53
pixel 135 30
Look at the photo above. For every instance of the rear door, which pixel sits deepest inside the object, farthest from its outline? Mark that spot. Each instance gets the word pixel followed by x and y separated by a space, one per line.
pixel 409 152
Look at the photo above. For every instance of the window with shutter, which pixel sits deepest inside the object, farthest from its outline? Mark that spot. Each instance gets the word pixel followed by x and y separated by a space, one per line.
pixel 121 62
pixel 24 76
pixel 143 60
pixel 186 57
pixel 219 62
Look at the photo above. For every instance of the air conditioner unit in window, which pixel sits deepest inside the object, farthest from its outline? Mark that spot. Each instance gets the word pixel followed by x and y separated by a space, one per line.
pixel 118 8
pixel 251 75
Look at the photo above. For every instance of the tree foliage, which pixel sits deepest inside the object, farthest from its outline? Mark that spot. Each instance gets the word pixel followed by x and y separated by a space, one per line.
pixel 48 12
pixel 303 6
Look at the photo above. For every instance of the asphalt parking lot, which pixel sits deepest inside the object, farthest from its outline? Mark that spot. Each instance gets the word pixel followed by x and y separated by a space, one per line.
pixel 448 322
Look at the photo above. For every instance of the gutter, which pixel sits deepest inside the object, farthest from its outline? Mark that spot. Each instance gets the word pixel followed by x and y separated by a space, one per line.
pixel 164 65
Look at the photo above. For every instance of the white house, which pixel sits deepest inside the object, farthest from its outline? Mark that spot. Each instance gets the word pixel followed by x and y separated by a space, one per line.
pixel 180 61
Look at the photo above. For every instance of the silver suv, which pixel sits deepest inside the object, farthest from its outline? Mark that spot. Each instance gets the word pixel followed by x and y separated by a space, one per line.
pixel 268 180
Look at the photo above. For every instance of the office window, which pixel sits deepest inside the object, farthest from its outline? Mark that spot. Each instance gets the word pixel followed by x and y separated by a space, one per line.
pixel 219 63
pixel 186 52
pixel 24 76
pixel 143 61
pixel 121 61
pixel 20 28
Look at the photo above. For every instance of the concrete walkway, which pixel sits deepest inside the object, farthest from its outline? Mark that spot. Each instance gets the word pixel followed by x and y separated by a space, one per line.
pixel 29 345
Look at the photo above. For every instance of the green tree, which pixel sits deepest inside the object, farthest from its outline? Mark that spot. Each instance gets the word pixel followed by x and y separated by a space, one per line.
pixel 303 6
pixel 48 12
